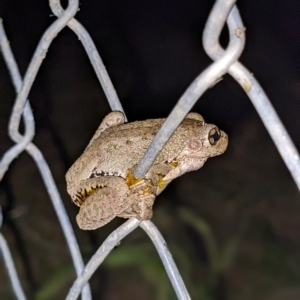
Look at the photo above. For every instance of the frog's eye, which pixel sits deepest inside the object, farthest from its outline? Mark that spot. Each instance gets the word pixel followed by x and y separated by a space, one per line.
pixel 213 136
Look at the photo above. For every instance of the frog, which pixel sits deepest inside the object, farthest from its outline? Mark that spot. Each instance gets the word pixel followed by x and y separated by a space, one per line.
pixel 102 183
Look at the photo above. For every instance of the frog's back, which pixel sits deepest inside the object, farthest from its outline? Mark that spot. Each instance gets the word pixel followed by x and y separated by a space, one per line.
pixel 120 147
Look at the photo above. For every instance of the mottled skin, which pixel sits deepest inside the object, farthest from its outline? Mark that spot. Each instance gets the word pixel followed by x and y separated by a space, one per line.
pixel 101 181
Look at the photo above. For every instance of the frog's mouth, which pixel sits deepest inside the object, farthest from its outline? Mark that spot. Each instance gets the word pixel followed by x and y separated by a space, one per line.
pixel 81 195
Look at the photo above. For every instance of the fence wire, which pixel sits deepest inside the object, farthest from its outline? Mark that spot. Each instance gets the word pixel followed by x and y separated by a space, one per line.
pixel 224 11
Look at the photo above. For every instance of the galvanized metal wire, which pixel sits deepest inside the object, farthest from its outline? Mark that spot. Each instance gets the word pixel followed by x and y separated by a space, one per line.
pixel 39 160
pixel 224 61
pixel 112 240
pixel 10 266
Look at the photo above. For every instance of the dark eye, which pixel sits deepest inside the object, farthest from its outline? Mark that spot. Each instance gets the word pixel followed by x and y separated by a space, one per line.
pixel 213 136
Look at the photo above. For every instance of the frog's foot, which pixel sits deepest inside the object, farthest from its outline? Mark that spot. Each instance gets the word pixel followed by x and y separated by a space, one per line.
pixel 195 116
pixel 141 208
pixel 101 207
pixel 112 119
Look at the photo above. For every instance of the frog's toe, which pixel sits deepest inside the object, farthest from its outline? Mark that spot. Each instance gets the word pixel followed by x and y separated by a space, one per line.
pixel 144 207
pixel 112 119
pixel 195 116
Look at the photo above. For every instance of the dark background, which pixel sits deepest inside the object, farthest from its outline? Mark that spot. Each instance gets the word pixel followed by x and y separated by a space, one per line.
pixel 245 199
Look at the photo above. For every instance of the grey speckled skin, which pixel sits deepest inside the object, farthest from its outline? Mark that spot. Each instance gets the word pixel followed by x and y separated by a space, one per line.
pixel 101 181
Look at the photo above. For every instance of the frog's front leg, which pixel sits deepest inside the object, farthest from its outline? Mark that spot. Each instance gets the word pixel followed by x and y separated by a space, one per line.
pixel 162 174
pixel 106 197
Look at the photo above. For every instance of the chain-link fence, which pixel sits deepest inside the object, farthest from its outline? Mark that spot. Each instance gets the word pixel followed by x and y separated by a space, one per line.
pixel 225 61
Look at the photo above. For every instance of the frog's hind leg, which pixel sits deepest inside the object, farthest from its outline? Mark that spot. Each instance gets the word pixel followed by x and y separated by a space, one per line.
pixel 100 208
pixel 106 197
pixel 161 175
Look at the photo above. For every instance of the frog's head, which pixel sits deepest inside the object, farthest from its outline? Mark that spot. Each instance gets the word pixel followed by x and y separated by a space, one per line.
pixel 214 141
pixel 208 141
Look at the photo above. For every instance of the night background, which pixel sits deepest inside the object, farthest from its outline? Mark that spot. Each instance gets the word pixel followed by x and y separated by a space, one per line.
pixel 245 200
